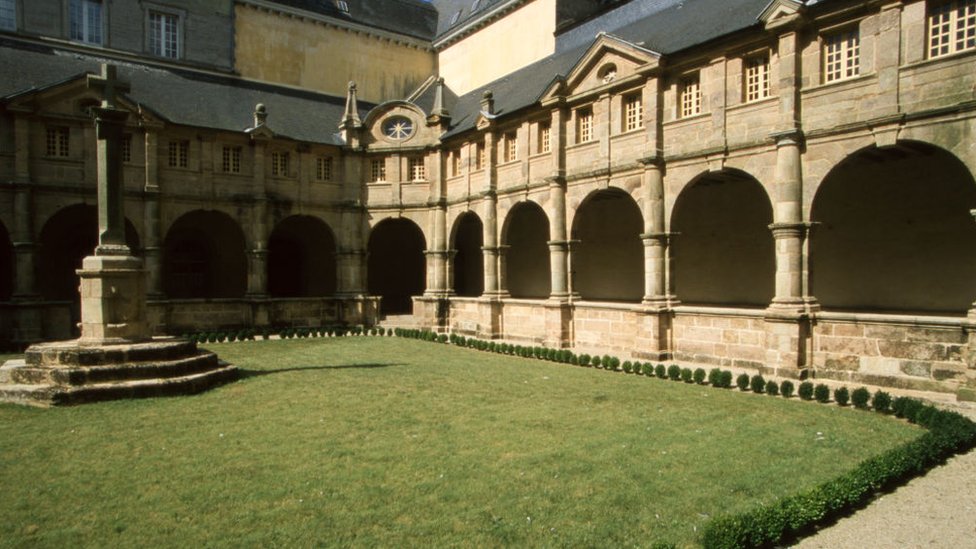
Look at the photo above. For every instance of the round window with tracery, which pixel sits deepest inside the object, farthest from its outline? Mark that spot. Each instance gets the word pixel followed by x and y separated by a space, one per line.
pixel 398 128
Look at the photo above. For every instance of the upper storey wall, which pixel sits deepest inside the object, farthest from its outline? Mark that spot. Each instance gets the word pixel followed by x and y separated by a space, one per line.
pixel 514 41
pixel 313 54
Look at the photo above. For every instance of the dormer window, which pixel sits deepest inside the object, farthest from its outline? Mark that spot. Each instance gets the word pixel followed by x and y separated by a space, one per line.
pixel 457 16
pixel 342 6
pixel 474 6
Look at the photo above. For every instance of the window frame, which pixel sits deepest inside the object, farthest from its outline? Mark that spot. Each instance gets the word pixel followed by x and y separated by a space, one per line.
pixel 323 167
pixel 848 57
pixel 690 100
pixel 280 164
pixel 10 5
pixel 84 35
pixel 231 159
pixel 178 153
pixel 510 142
pixel 584 124
pixel 164 11
pixel 954 25
pixel 377 170
pixel 417 168
pixel 57 140
pixel 480 156
pixel 632 106
pixel 761 64
pixel 545 137
pixel 126 148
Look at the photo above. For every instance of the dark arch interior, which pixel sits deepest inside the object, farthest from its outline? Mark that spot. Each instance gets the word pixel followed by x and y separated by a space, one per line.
pixel 395 266
pixel 527 268
pixel 469 265
pixel 6 265
pixel 67 237
pixel 723 252
pixel 894 232
pixel 608 258
pixel 301 258
pixel 203 257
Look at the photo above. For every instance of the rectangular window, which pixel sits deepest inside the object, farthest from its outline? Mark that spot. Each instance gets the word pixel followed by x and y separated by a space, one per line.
pixel 511 146
pixel 479 156
pixel 377 170
pixel 323 168
pixel 757 78
pixel 544 146
pixel 279 164
pixel 691 96
pixel 456 163
pixel 85 21
pixel 179 152
pixel 842 53
pixel 633 112
pixel 231 159
pixel 417 170
pixel 952 27
pixel 584 125
pixel 127 148
pixel 8 15
pixel 164 34
pixel 57 141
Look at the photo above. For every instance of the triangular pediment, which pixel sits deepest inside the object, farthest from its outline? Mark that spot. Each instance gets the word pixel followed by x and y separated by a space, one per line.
pixel 781 12
pixel 608 61
pixel 74 99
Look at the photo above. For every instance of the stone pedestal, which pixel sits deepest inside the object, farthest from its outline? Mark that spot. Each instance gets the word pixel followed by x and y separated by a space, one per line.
pixel 559 323
pixel 113 300
pixel 490 318
pixel 654 333
pixel 787 342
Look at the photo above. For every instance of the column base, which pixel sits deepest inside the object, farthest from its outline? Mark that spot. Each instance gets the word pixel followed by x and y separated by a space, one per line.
pixel 113 300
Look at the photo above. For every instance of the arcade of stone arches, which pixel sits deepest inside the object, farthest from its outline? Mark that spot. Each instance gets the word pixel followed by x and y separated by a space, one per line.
pixel 890 231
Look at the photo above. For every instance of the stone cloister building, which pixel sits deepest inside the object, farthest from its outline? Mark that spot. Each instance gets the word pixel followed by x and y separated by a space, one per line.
pixel 779 185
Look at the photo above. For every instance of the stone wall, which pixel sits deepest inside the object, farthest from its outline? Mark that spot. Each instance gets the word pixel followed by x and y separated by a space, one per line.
pixel 466 316
pixel 724 337
pixel 175 317
pixel 524 320
pixel 606 326
pixel 912 352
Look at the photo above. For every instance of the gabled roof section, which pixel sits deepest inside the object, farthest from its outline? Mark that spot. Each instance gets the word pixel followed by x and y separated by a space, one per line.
pixel 414 18
pixel 179 96
pixel 608 60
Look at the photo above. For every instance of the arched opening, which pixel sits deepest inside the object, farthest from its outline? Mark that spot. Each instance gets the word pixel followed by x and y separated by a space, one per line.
pixel 67 237
pixel 396 265
pixel 724 253
pixel 894 232
pixel 301 258
pixel 608 257
pixel 527 268
pixel 6 265
pixel 203 257
pixel 468 266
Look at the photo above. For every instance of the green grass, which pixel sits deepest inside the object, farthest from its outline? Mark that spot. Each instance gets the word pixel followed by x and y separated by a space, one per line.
pixel 393 442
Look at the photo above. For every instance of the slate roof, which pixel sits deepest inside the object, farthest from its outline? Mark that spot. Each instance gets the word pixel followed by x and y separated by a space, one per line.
pixel 470 11
pixel 678 26
pixel 181 96
pixel 411 17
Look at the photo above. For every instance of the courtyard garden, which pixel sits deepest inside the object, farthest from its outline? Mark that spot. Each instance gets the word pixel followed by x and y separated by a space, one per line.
pixel 391 441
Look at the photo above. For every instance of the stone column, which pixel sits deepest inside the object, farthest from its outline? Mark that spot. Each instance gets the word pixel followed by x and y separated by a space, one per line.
pixel 654 341
pixel 558 245
pixel 788 228
pixel 490 248
pixel 257 265
pixel 152 225
pixel 437 254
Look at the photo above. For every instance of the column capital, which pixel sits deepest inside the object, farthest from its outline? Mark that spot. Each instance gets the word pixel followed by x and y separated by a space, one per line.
pixel 787 138
pixel 651 239
pixel 791 230
pixel 655 160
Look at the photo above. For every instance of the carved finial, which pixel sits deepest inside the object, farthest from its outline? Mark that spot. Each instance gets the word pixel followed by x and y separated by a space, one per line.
pixel 488 102
pixel 439 110
pixel 350 119
pixel 260 115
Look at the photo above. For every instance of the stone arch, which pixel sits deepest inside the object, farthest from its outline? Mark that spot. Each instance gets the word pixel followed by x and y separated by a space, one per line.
pixel 301 258
pixel 608 256
pixel 526 235
pixel 723 251
pixel 6 264
pixel 396 266
pixel 893 231
pixel 66 238
pixel 468 265
pixel 204 257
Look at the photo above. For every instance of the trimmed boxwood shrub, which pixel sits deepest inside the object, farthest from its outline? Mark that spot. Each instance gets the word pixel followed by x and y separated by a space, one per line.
pixel 687 375
pixel 596 362
pixel 805 391
pixel 699 376
pixel 674 372
pixel 821 393
pixel 614 363
pixel 628 367
pixel 859 398
pixel 742 382
pixel 842 396
pixel 757 383
pixel 769 525
pixel 786 388
pixel 647 369
pixel 772 389
pixel 715 377
pixel 881 402
pixel 726 379
pixel 661 371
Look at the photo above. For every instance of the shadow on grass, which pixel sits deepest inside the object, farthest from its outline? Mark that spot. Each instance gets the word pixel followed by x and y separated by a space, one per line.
pixel 245 373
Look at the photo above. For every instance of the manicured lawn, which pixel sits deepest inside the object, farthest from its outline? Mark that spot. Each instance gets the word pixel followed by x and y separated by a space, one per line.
pixel 391 442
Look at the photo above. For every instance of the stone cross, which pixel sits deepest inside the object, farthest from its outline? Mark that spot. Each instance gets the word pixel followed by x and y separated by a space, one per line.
pixel 109 124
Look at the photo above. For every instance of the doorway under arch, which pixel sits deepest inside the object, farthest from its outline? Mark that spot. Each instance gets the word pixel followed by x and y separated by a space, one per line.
pixel 608 256
pixel 527 268
pixel 396 266
pixel 468 264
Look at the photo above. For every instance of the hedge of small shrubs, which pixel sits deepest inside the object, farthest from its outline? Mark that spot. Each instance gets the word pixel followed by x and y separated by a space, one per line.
pixel 284 332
